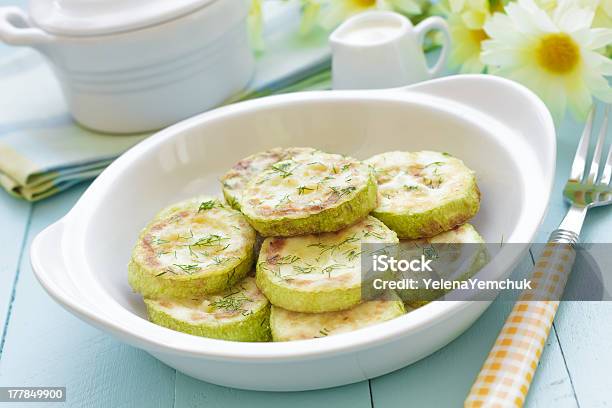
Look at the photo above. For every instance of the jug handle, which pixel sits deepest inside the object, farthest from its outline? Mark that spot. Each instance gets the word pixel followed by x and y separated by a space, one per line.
pixel 15 28
pixel 435 23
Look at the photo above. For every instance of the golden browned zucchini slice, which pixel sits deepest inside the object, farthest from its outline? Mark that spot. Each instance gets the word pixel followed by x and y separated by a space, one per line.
pixel 196 247
pixel 287 325
pixel 309 193
pixel 319 272
pixel 241 313
pixel 424 193
pixel 236 179
pixel 454 262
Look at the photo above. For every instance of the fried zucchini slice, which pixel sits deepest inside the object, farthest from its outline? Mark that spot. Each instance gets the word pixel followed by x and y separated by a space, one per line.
pixel 241 313
pixel 236 179
pixel 287 325
pixel 318 273
pixel 413 305
pixel 454 262
pixel 309 193
pixel 425 193
pixel 196 247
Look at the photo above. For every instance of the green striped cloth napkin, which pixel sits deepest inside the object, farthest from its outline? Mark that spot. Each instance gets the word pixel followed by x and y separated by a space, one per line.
pixel 43 151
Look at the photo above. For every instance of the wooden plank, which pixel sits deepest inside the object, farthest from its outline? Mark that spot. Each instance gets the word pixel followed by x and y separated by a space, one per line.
pixel 45 345
pixel 584 332
pixel 444 378
pixel 14 216
pixel 191 393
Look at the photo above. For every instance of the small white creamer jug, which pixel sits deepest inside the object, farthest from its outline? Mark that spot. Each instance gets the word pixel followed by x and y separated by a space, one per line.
pixel 382 49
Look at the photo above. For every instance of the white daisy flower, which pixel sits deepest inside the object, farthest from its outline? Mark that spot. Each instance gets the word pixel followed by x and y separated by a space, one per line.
pixel 603 14
pixel 553 53
pixel 466 19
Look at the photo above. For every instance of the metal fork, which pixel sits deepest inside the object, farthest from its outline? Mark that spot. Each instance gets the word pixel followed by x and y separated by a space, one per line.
pixel 506 375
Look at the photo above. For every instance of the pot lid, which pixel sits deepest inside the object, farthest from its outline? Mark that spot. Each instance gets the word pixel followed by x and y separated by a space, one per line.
pixel 95 17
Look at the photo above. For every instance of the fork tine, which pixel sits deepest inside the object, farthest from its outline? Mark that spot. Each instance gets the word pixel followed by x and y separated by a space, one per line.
pixel 601 138
pixel 578 166
pixel 606 176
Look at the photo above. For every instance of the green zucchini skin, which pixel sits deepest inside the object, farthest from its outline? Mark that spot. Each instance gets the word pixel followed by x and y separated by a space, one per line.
pixel 143 281
pixel 288 326
pixel 310 193
pixel 332 219
pixel 168 262
pixel 252 325
pixel 398 207
pixel 307 301
pixel 435 221
pixel 252 331
pixel 463 234
pixel 280 276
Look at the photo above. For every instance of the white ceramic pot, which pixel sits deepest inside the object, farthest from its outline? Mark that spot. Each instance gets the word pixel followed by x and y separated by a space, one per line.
pixel 467 116
pixel 135 66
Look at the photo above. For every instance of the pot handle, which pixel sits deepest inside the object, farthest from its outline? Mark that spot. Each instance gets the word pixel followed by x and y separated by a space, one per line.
pixel 15 28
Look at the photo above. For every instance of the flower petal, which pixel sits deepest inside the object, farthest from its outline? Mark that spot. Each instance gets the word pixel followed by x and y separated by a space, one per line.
pixel 500 27
pixel 601 37
pixel 529 18
pixel 599 87
pixel 456 5
pixel 553 96
pixel 472 66
pixel 407 6
pixel 606 65
pixel 309 16
pixel 569 17
pixel 334 14
pixel 598 62
pixel 579 100
pixel 255 26
pixel 606 6
pixel 473 19
pixel 501 57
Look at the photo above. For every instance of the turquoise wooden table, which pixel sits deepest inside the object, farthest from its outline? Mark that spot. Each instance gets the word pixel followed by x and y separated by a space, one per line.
pixel 43 345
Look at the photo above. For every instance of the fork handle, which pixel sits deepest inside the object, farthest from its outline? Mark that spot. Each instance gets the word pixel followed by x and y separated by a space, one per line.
pixel 506 374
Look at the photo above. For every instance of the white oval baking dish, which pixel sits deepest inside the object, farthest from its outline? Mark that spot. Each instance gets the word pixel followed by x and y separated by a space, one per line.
pixel 499 128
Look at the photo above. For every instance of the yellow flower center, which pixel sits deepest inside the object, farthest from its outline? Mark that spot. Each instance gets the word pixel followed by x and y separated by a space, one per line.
pixel 364 3
pixel 558 53
pixel 479 35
